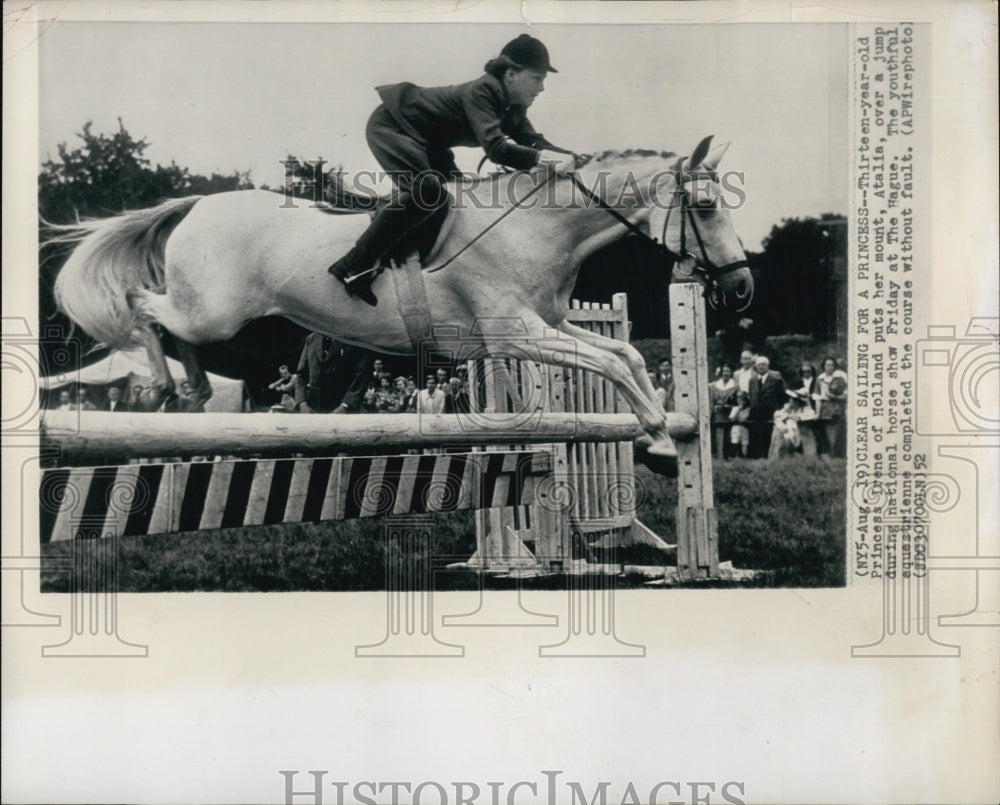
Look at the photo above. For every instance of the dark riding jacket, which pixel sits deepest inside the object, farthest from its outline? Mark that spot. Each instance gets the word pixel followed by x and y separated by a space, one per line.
pixel 476 113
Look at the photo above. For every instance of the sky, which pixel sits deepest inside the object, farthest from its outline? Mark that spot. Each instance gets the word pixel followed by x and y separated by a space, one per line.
pixel 224 97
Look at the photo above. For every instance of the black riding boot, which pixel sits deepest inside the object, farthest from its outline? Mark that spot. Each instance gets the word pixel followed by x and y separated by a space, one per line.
pixel 390 226
pixel 354 268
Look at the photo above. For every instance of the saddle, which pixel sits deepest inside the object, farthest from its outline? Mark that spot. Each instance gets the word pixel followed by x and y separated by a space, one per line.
pixel 417 242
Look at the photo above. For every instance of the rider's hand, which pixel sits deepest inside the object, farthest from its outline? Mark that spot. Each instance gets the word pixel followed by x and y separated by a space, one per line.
pixel 560 163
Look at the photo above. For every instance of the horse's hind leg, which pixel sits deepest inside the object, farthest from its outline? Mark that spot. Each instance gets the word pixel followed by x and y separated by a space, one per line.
pixel 184 322
pixel 200 386
pixel 163 387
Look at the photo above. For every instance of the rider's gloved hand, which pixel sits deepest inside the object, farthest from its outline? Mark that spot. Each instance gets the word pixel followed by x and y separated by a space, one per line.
pixel 560 163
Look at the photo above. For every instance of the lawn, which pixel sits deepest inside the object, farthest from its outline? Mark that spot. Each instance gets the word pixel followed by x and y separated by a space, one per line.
pixel 786 518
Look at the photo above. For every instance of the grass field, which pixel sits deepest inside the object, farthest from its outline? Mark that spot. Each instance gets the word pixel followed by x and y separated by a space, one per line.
pixel 786 518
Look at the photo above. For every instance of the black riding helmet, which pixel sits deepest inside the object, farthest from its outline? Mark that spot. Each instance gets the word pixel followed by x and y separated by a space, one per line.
pixel 526 51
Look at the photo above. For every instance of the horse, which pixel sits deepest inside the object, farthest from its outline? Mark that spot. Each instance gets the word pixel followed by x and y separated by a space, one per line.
pixel 499 275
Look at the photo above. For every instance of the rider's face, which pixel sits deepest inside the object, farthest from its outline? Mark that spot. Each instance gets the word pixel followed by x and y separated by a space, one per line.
pixel 523 85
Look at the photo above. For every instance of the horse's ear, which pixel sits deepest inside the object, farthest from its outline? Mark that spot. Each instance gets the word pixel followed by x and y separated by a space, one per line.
pixel 700 152
pixel 678 167
pixel 715 157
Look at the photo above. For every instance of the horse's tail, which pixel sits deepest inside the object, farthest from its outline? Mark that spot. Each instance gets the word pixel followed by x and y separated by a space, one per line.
pixel 113 258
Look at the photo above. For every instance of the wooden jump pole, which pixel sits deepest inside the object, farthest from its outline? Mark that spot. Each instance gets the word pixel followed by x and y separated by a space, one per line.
pixel 85 435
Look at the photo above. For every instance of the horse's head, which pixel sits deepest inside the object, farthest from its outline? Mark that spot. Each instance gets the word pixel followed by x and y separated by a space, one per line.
pixel 690 218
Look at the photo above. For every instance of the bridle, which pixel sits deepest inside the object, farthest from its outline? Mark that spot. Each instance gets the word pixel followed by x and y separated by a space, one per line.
pixel 705 264
pixel 684 256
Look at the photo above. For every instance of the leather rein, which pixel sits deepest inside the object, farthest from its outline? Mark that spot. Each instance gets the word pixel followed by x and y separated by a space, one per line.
pixel 705 265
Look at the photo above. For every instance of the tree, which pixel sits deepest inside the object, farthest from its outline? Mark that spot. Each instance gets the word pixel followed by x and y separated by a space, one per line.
pixel 796 275
pixel 107 174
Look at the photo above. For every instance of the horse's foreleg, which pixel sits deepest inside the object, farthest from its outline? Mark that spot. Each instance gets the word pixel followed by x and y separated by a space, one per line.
pixel 621 349
pixel 576 353
pixel 163 387
pixel 201 387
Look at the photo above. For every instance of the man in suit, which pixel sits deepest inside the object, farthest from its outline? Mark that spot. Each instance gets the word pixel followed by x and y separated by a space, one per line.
pixel 115 404
pixel 315 373
pixel 456 399
pixel 767 395
pixel 83 402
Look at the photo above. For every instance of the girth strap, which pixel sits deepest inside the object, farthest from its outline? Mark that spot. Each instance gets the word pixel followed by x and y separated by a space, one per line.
pixel 413 305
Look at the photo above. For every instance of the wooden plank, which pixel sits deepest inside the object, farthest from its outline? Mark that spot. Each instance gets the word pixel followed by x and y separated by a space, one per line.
pixel 697 540
pixel 585 316
pixel 254 435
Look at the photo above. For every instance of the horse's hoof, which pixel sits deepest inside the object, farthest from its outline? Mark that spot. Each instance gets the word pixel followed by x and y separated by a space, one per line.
pixel 656 456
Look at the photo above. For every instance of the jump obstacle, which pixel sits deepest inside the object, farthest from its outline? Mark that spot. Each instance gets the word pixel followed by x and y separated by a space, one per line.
pixel 530 504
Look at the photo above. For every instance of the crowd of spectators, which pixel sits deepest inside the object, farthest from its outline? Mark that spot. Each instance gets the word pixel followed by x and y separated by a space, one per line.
pixel 757 413
pixel 124 398
pixel 335 376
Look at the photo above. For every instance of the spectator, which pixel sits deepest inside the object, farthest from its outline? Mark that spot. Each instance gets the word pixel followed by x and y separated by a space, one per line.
pixel 352 368
pixel 285 386
pixel 386 400
pixel 441 375
pixel 739 434
pixel 431 398
pixel 65 401
pixel 787 438
pixel 661 393
pixel 745 372
pixel 723 393
pixel 767 395
pixel 807 383
pixel 115 404
pixel 457 399
pixel 665 376
pixel 83 402
pixel 314 372
pixel 831 396
pixel 399 391
pixel 412 396
pixel 369 404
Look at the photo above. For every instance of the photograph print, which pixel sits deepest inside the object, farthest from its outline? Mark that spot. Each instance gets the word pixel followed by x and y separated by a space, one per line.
pixel 489 304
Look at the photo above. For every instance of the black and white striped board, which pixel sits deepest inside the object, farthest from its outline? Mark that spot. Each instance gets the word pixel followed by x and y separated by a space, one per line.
pixel 136 499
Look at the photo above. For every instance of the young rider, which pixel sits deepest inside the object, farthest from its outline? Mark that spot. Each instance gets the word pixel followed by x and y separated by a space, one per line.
pixel 412 132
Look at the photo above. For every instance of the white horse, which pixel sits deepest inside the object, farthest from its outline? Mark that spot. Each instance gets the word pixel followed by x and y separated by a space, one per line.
pixel 203 267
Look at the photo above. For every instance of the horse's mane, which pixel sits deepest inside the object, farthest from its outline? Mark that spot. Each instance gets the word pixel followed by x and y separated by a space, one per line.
pixel 611 154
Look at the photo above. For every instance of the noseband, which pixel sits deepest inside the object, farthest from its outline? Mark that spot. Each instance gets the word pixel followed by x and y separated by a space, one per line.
pixel 712 271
